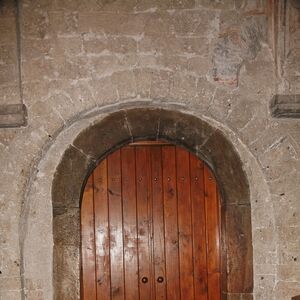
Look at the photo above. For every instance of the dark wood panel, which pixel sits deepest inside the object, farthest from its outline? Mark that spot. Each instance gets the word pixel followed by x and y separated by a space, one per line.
pixel 88 242
pixel 184 224
pixel 129 223
pixel 199 228
pixel 158 224
pixel 144 220
pixel 115 225
pixel 171 222
pixel 102 231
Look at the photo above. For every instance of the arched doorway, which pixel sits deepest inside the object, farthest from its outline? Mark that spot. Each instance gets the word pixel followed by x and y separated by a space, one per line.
pixel 151 226
pixel 114 128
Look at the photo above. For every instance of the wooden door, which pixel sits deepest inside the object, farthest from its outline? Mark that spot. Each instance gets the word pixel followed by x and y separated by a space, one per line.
pixel 150 227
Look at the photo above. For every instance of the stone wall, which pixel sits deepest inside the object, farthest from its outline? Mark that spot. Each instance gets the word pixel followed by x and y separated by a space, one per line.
pixel 82 60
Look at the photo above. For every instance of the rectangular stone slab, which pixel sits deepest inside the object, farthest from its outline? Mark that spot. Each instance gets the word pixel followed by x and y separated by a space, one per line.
pixel 285 106
pixel 12 115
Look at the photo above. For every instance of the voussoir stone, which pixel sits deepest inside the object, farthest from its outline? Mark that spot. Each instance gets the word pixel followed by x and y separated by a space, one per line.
pixel 104 136
pixel 232 178
pixel 143 123
pixel 69 177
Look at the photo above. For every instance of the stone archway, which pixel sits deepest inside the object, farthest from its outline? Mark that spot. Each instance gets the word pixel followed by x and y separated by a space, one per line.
pixel 131 124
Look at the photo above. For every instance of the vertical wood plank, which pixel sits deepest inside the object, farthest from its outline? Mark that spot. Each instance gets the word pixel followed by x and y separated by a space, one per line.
pixel 144 220
pixel 129 223
pixel 171 222
pixel 115 225
pixel 102 231
pixel 214 288
pixel 213 234
pixel 199 228
pixel 184 224
pixel 158 223
pixel 88 242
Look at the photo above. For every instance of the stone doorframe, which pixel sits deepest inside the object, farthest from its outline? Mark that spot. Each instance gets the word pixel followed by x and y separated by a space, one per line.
pixel 127 125
pixel 52 201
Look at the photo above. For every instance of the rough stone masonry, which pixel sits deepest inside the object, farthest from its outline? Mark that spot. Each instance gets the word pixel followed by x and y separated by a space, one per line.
pixel 66 64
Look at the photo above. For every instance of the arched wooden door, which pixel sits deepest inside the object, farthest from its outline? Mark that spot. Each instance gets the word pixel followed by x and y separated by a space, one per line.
pixel 150 227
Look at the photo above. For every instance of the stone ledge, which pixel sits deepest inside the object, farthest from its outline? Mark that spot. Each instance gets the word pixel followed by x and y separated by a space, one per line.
pixel 285 106
pixel 13 115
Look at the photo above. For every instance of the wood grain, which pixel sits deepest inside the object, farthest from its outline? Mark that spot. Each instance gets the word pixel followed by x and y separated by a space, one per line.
pixel 144 219
pixel 158 223
pixel 101 208
pixel 199 228
pixel 129 223
pixel 212 233
pixel 88 242
pixel 185 224
pixel 171 222
pixel 115 226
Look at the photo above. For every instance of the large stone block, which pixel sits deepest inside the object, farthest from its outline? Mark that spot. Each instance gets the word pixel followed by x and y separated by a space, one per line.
pixel 10 284
pixel 288 272
pixel 8 74
pixel 8 54
pixel 287 290
pixel 12 295
pixel 144 123
pixel 35 24
pixel 8 31
pixel 69 178
pixel 102 91
pixel 285 106
pixel 183 88
pixel 12 115
pixel 138 6
pixel 63 23
pixel 125 83
pixel 66 272
pixel 66 226
pixel 160 84
pixel 265 287
pixel 239 245
pixel 216 4
pixel 122 24
pixel 143 82
pixel 186 130
pixel 10 94
pixel 102 137
pixel 219 151
pixel 171 45
pixel 43 115
pixel 194 22
pixel 7 8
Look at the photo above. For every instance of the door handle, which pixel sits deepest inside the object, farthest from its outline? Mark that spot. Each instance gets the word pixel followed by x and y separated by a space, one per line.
pixel 144 280
pixel 160 279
